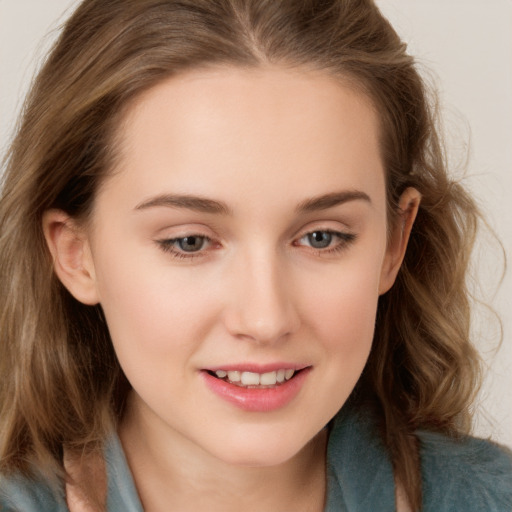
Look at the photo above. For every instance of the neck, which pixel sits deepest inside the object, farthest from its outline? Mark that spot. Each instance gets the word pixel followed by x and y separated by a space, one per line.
pixel 172 473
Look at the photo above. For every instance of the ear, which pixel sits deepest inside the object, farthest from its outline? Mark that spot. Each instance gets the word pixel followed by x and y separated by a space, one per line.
pixel 399 237
pixel 72 259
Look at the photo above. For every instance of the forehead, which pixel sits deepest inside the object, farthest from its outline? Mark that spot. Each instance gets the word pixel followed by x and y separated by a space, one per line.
pixel 240 130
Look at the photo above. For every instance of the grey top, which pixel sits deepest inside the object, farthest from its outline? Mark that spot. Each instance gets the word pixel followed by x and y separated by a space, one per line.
pixel 470 475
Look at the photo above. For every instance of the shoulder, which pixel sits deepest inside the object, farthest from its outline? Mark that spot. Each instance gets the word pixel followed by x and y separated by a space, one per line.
pixel 22 494
pixel 465 473
pixel 19 493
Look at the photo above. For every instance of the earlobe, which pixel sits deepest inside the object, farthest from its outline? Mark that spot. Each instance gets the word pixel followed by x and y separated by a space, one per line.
pixel 408 208
pixel 72 259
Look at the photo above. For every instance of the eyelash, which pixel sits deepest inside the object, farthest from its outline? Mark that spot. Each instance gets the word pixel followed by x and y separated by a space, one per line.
pixel 344 240
pixel 169 246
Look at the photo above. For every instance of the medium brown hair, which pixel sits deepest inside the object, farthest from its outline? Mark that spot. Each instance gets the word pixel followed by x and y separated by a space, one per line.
pixel 60 382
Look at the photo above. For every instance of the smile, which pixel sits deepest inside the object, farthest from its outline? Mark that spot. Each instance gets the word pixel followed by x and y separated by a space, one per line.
pixel 253 391
pixel 252 379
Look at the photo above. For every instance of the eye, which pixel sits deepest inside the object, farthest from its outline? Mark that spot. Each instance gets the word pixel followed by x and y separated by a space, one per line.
pixel 319 239
pixel 326 240
pixel 186 246
pixel 192 243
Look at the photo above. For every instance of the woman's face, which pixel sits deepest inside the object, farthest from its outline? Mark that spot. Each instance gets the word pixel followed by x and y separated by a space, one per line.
pixel 242 239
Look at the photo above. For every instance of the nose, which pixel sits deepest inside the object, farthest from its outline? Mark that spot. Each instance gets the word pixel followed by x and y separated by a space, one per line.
pixel 262 306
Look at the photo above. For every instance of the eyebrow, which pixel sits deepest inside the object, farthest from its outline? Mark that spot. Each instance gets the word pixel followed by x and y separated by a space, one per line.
pixel 205 205
pixel 327 201
pixel 199 204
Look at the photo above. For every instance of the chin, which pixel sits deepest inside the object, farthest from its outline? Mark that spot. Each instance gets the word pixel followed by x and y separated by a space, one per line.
pixel 261 451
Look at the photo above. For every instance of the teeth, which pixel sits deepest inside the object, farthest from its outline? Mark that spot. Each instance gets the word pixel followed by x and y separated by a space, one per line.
pixel 268 379
pixel 288 374
pixel 250 379
pixel 256 379
pixel 234 376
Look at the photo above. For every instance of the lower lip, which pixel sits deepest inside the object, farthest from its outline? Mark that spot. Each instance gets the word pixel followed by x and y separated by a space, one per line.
pixel 257 399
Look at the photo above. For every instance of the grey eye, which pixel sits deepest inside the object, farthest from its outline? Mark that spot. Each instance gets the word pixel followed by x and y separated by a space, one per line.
pixel 191 243
pixel 319 239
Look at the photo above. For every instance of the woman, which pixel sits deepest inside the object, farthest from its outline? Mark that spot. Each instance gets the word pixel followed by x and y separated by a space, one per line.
pixel 233 271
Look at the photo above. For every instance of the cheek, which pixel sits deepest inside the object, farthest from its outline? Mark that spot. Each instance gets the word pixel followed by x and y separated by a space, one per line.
pixel 152 311
pixel 341 312
pixel 339 327
pixel 345 327
pixel 343 307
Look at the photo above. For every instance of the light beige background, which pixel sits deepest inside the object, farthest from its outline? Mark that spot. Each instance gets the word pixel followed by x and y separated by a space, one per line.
pixel 467 45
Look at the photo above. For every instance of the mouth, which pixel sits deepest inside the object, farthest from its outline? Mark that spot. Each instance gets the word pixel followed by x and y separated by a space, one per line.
pixel 266 390
pixel 256 380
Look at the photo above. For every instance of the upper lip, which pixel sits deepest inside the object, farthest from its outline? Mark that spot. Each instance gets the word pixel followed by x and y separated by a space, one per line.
pixel 257 368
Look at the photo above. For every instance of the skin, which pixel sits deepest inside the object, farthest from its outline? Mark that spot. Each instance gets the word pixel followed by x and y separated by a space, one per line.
pixel 265 144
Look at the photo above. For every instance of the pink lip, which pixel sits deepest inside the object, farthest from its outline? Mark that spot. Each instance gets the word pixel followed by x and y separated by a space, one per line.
pixel 257 399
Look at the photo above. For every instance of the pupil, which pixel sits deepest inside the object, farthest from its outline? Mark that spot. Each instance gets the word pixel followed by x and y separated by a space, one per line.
pixel 191 243
pixel 320 239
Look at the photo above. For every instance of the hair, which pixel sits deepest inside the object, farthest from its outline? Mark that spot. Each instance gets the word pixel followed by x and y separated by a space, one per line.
pixel 61 384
